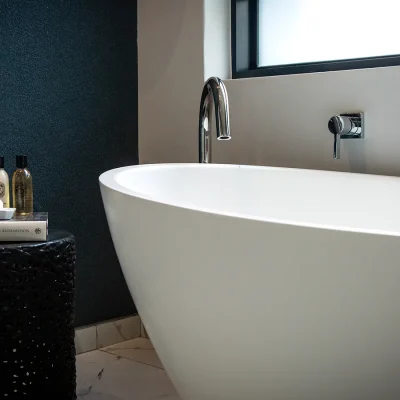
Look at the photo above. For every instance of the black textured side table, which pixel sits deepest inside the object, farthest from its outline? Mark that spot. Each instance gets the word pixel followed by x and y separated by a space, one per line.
pixel 37 300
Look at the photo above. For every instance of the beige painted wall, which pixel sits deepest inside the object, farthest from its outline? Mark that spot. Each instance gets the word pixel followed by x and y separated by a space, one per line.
pixel 170 75
pixel 279 121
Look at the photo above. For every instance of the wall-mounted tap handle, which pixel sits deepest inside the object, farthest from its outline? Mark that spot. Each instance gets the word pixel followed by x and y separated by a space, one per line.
pixel 337 126
pixel 336 146
pixel 345 126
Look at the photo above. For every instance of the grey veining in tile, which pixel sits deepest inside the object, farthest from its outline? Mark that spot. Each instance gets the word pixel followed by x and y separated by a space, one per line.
pixel 135 344
pixel 140 350
pixel 112 332
pixel 104 376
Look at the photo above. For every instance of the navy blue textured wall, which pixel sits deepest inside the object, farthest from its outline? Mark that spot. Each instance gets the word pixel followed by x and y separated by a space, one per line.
pixel 68 99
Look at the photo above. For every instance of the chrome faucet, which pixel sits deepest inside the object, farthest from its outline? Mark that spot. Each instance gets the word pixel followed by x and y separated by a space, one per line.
pixel 214 91
pixel 345 126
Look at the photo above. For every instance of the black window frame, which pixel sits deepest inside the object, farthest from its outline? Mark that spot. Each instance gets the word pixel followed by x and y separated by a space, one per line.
pixel 245 45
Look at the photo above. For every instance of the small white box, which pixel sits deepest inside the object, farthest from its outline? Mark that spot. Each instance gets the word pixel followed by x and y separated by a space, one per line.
pixel 6 213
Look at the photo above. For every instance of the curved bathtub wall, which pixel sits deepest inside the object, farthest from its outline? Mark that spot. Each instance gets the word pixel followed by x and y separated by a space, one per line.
pixel 243 308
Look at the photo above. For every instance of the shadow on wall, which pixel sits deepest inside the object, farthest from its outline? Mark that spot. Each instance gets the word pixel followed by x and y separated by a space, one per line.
pixel 171 18
pixel 69 101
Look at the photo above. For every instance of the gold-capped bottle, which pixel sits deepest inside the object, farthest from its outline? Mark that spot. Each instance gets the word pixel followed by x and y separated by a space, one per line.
pixel 22 188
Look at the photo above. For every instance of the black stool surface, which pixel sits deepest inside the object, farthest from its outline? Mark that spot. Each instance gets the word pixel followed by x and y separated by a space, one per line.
pixel 37 315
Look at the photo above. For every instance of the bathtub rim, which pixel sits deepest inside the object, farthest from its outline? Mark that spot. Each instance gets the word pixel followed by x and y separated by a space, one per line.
pixel 108 180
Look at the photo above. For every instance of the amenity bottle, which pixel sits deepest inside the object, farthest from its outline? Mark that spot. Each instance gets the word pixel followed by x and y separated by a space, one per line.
pixel 22 187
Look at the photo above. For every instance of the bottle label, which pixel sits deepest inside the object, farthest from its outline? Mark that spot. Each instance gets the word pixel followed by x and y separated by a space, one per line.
pixel 2 189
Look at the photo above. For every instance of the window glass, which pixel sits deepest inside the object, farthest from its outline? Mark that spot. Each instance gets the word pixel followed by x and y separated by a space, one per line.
pixel 304 31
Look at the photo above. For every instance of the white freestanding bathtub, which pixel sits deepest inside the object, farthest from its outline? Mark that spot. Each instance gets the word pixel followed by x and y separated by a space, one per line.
pixel 261 283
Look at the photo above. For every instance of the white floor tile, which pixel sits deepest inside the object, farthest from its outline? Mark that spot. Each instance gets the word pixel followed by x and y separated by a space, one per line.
pixel 143 332
pixel 140 350
pixel 138 343
pixel 112 332
pixel 85 339
pixel 105 376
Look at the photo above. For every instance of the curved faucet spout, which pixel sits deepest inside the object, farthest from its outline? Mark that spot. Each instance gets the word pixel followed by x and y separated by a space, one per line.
pixel 214 91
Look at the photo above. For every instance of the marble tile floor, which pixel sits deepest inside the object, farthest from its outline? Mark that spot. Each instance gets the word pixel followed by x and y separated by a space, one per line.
pixel 125 371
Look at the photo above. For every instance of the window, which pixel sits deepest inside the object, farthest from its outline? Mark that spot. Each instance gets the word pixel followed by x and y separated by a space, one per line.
pixel 277 37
